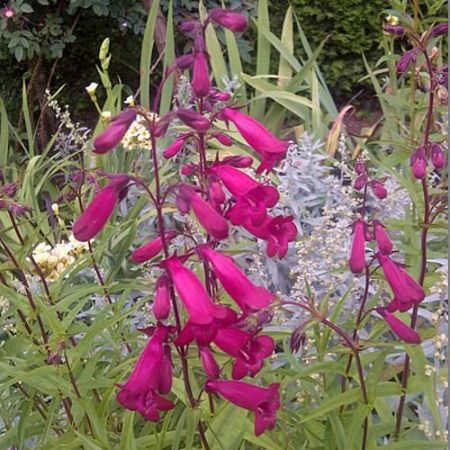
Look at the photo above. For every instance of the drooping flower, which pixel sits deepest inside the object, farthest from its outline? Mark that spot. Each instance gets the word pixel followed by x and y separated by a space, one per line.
pixel 229 19
pixel 406 60
pixel 209 218
pixel 223 139
pixel 357 261
pixel 147 380
pixel 399 327
pixel 235 282
pixel 360 182
pixel 384 243
pixel 252 198
pixel 407 291
pixel 419 163
pixel 437 156
pixel 199 306
pixel 151 249
pixel 193 119
pixel 439 30
pixel 396 30
pixel 200 75
pixel 161 302
pixel 277 231
pixel 176 146
pixel 378 189
pixel 97 213
pixel 264 402
pixel 209 363
pixel 216 193
pixel 114 132
pixel 270 148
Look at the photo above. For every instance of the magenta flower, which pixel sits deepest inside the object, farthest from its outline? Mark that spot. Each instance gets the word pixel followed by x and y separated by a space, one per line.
pixel 223 139
pixel 176 146
pixel 437 156
pixel 252 198
pixel 407 291
pixel 161 302
pixel 439 30
pixel 360 182
pixel 419 163
pixel 238 161
pixel 357 261
pixel 209 218
pixel 396 30
pixel 235 282
pixel 264 402
pixel 229 19
pixel 209 363
pixel 406 60
pixel 193 119
pixel 215 193
pixel 378 189
pixel 97 213
pixel 184 62
pixel 399 327
pixel 152 248
pixel 384 243
pixel 140 392
pixel 8 12
pixel 114 132
pixel 277 231
pixel 199 306
pixel 200 75
pixel 270 148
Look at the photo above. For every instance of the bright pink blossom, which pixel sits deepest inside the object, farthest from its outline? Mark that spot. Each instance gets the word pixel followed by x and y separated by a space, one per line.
pixel 357 261
pixel 200 75
pixel 114 132
pixel 264 402
pixel 152 248
pixel 238 161
pixel 161 302
pixel 407 292
pixel 437 156
pixel 97 213
pixel 360 182
pixel 406 60
pixel 209 363
pixel 384 243
pixel 215 193
pixel 199 306
pixel 235 282
pixel 140 392
pixel 176 146
pixel 419 163
pixel 379 189
pixel 229 19
pixel 223 139
pixel 270 148
pixel 193 119
pixel 399 327
pixel 277 231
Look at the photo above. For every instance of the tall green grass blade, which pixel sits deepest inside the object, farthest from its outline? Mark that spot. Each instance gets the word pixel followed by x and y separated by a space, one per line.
pixel 27 119
pixel 234 60
pixel 285 68
pixel 4 135
pixel 169 58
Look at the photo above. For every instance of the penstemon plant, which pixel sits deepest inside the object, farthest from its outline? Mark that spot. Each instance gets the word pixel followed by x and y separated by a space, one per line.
pixel 189 306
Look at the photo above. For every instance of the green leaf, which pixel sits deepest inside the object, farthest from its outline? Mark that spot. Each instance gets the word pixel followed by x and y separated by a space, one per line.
pixel 127 439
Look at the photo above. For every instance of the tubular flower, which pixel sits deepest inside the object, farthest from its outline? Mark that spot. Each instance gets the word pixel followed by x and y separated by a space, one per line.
pixel 252 198
pixel 437 156
pixel 176 146
pixel 115 131
pixel 193 119
pixel 406 60
pixel 152 248
pixel 378 189
pixel 209 363
pixel 419 163
pixel 140 392
pixel 235 282
pixel 161 303
pixel 200 75
pixel 264 402
pixel 439 30
pixel 238 161
pixel 208 217
pixel 357 261
pixel 407 292
pixel 270 148
pixel 382 238
pixel 229 19
pixel 97 213
pixel 199 306
pixel 277 231
pixel 399 327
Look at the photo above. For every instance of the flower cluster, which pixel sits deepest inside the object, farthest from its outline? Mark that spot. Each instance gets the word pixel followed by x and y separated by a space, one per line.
pixel 190 308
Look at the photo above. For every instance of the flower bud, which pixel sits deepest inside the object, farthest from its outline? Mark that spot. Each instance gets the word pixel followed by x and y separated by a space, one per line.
pixel 439 30
pixel 378 189
pixel 406 60
pixel 242 162
pixel 360 182
pixel 396 30
pixel 184 62
pixel 219 95
pixel 229 19
pixel 383 241
pixel 224 139
pixel 418 163
pixel 400 328
pixel 209 363
pixel 189 169
pixel 216 193
pixel 437 156
pixel 174 148
pixel 161 303
pixel 193 119
pixel 360 167
pixel 9 189
pixel 200 75
pixel 91 89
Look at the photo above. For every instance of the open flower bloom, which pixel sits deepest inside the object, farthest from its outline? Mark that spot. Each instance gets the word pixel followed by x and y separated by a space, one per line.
pixel 149 379
pixel 277 231
pixel 209 218
pixel 264 402
pixel 252 198
pixel 229 19
pixel 357 261
pixel 235 282
pixel 199 306
pixel 407 291
pixel 97 213
pixel 152 248
pixel 161 302
pixel 114 132
pixel 200 75
pixel 384 243
pixel 399 327
pixel 269 147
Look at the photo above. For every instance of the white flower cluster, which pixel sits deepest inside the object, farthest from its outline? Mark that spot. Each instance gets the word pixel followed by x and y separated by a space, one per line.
pixel 137 136
pixel 54 260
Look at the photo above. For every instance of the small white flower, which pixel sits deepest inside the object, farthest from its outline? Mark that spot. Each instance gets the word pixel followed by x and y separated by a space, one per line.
pixel 129 101
pixel 91 88
pixel 106 115
pixel 55 208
